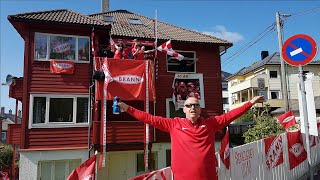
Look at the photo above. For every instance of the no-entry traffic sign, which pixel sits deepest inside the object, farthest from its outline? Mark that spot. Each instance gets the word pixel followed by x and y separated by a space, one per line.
pixel 299 49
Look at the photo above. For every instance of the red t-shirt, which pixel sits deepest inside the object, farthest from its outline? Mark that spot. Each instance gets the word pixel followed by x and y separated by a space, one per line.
pixel 118 54
pixel 192 146
pixel 140 55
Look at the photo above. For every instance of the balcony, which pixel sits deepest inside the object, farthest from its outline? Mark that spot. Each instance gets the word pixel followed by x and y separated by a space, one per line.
pixel 250 83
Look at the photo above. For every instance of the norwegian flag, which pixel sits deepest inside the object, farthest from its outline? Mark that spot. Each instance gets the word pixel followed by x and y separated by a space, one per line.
pixel 225 150
pixel 287 119
pixel 161 174
pixel 167 48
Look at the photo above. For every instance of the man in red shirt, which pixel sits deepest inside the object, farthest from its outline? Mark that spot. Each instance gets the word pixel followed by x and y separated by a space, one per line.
pixel 192 138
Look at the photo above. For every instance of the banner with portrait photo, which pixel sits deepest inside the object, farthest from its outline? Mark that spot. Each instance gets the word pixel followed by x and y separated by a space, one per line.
pixel 185 86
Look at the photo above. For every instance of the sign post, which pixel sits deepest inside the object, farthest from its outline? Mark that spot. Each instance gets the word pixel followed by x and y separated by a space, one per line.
pixel 299 50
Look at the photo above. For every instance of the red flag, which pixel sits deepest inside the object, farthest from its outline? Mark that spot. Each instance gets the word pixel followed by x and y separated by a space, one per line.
pixel 296 151
pixel 161 174
pixel 127 79
pixel 4 176
pixel 61 67
pixel 167 49
pixel 225 150
pixel 273 149
pixel 85 171
pixel 287 119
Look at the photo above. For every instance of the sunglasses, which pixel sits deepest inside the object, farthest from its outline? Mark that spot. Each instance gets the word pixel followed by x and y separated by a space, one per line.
pixel 190 105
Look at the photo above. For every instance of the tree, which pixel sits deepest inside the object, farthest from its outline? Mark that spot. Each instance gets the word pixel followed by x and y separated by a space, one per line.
pixel 6 154
pixel 248 116
pixel 266 126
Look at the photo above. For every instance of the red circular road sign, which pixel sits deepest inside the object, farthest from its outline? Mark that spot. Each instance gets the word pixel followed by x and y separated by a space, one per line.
pixel 299 49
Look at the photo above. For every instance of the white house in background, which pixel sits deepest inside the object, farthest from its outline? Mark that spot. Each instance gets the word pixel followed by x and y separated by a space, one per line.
pixel 7 118
pixel 244 85
pixel 225 93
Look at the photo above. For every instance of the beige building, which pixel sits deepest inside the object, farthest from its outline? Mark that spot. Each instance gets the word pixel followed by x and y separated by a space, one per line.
pixel 264 77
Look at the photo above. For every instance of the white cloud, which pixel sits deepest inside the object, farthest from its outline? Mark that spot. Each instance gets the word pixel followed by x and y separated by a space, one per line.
pixel 220 31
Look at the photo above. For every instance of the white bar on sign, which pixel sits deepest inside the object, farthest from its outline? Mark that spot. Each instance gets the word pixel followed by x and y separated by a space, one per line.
pixel 295 52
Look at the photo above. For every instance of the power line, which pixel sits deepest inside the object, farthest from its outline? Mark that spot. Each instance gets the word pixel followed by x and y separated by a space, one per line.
pixel 253 41
pixel 307 11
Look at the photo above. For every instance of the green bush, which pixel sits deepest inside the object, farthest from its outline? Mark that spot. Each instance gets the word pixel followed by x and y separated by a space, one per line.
pixel 6 154
pixel 266 126
pixel 248 116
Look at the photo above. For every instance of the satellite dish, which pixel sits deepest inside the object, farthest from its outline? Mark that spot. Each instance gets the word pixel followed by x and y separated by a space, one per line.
pixel 9 80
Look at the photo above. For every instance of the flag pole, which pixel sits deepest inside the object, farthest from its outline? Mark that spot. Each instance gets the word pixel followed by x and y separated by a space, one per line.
pixel 147 125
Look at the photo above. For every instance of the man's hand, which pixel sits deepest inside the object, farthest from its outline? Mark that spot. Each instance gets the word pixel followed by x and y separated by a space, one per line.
pixel 257 99
pixel 123 106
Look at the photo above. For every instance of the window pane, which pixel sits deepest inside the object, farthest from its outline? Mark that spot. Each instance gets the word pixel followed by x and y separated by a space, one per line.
pixel 62 47
pixel 40 46
pixel 168 157
pixel 45 170
pixel 82 110
pixel 273 74
pixel 73 164
pixel 83 46
pixel 61 110
pixel 59 170
pixel 140 162
pixel 274 95
pixel 39 110
pixel 174 113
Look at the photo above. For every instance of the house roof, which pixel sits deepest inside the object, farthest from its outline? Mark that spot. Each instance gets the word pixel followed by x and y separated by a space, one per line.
pixel 61 16
pixel 273 59
pixel 295 107
pixel 224 75
pixel 166 31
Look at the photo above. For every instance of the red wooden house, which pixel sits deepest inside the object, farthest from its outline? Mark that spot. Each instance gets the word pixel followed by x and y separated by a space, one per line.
pixel 56 108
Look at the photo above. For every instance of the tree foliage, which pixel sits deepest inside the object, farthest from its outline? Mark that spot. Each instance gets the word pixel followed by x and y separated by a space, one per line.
pixel 6 156
pixel 248 116
pixel 266 126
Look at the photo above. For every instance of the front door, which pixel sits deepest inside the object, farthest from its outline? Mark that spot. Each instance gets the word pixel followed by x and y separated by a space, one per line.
pixel 117 166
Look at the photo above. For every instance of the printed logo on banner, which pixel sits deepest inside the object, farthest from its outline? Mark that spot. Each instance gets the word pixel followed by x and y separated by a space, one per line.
pixel 297 153
pixel 273 151
pixel 61 67
pixel 129 79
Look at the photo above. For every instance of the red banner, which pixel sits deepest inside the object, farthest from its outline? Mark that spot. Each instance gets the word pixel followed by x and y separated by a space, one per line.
pixel 61 67
pixel 127 78
pixel 84 171
pixel 225 151
pixel 287 119
pixel 296 151
pixel 273 149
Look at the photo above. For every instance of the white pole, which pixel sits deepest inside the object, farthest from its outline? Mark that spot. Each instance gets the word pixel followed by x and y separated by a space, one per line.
pixel 147 125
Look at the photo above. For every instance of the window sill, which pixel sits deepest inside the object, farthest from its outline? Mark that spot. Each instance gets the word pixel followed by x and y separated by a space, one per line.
pixel 58 125
pixel 48 60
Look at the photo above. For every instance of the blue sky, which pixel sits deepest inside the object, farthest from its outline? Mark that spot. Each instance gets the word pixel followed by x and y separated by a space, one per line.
pixel 236 21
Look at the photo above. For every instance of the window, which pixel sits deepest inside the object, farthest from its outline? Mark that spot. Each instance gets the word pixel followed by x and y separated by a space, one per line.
pixel 140 162
pixel 274 94
pixel 188 64
pixel 3 136
pixel 225 101
pixel 171 110
pixel 273 74
pixel 48 170
pixel 224 87
pixel 48 110
pixel 135 21
pixel 108 18
pixel 61 47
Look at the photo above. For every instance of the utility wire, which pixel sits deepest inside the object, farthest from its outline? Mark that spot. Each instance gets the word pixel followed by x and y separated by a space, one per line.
pixel 307 11
pixel 242 49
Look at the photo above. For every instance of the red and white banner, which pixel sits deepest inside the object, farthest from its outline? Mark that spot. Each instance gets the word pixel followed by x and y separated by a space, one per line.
pixel 225 150
pixel 61 67
pixel 126 78
pixel 297 153
pixel 167 49
pixel 161 174
pixel 86 170
pixel 287 119
pixel 273 149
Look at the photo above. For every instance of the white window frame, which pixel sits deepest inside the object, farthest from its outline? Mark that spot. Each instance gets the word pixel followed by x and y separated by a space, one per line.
pixel 63 35
pixel 48 124
pixel 67 162
pixel 3 136
pixel 279 94
pixel 179 51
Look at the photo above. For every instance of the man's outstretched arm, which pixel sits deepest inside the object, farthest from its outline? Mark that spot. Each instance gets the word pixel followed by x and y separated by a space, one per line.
pixel 232 115
pixel 164 124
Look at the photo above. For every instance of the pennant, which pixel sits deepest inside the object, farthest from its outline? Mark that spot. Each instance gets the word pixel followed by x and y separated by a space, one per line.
pixel 273 148
pixel 86 170
pixel 167 49
pixel 61 67
pixel 161 174
pixel 287 119
pixel 296 152
pixel 225 150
